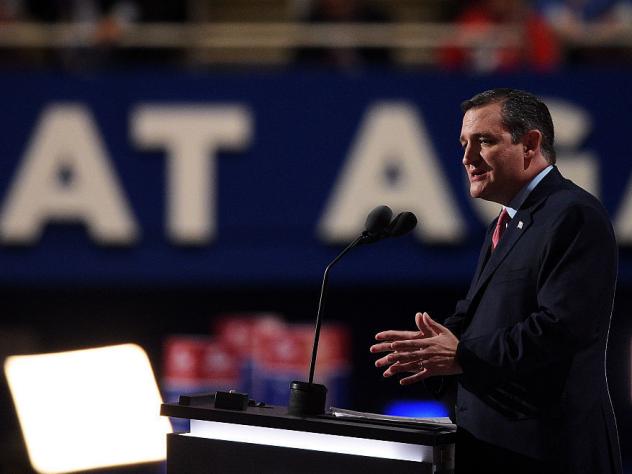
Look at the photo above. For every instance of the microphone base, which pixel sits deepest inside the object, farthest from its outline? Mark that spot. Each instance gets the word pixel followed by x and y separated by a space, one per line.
pixel 307 399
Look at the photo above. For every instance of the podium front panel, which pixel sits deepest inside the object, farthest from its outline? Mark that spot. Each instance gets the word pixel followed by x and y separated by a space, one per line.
pixel 191 455
pixel 269 440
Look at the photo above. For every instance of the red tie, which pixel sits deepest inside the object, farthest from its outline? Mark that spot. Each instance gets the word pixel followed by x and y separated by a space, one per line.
pixel 501 225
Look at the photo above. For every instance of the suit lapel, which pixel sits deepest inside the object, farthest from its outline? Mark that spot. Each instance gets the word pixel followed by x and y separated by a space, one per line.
pixel 518 226
pixel 484 255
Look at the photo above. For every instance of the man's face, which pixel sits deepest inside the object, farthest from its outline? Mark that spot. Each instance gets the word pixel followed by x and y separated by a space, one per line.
pixel 494 165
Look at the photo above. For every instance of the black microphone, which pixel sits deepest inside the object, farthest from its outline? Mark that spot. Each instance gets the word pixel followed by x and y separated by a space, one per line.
pixel 403 223
pixel 376 223
pixel 308 398
pixel 378 219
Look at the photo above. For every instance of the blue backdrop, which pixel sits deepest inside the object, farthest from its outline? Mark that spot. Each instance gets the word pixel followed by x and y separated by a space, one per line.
pixel 272 191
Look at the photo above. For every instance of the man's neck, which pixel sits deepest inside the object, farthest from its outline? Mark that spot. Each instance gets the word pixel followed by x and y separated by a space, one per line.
pixel 517 201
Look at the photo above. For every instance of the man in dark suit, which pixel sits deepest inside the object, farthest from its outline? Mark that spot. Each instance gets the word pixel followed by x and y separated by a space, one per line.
pixel 527 345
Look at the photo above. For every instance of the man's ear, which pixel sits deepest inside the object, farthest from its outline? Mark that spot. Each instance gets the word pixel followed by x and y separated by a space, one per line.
pixel 531 142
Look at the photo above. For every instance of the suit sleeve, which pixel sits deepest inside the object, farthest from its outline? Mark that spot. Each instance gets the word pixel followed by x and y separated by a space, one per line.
pixel 455 322
pixel 575 291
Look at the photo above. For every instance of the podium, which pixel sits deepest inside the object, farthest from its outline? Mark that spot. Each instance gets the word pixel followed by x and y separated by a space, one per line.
pixel 267 440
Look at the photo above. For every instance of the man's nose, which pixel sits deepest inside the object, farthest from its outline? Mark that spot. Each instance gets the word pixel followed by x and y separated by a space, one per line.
pixel 470 156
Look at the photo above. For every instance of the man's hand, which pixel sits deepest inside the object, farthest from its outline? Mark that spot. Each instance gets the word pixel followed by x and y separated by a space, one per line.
pixel 425 353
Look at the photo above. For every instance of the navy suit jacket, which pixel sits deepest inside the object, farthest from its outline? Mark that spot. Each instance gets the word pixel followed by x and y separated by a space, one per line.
pixel 533 331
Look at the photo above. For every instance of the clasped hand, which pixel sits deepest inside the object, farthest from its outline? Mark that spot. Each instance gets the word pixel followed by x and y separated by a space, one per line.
pixel 424 353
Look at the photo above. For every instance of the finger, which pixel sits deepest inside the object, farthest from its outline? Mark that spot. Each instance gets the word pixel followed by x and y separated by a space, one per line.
pixel 419 322
pixel 410 345
pixel 383 362
pixel 428 325
pixel 404 357
pixel 431 323
pixel 398 359
pixel 382 347
pixel 397 368
pixel 391 370
pixel 419 376
pixel 396 335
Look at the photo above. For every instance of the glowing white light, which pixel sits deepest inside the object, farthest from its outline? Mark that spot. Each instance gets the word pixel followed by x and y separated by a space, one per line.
pixel 312 441
pixel 88 409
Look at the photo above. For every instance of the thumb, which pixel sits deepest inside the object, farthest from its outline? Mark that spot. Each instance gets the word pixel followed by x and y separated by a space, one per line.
pixel 419 321
pixel 431 325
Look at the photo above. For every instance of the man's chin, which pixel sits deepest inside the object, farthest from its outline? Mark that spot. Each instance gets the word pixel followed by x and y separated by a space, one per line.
pixel 476 192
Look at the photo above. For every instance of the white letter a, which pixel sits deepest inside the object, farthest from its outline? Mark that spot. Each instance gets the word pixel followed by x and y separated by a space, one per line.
pixel 66 177
pixel 392 162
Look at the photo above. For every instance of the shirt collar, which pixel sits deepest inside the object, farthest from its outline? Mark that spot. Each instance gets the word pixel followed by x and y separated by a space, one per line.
pixel 520 198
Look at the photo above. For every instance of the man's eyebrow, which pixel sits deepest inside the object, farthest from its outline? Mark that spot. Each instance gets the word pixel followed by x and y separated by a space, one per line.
pixel 473 136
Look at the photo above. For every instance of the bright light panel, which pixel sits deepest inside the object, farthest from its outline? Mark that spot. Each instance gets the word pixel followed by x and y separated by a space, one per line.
pixel 312 441
pixel 88 409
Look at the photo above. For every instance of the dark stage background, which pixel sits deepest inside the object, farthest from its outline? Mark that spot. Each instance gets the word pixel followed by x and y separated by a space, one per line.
pixel 150 184
pixel 93 317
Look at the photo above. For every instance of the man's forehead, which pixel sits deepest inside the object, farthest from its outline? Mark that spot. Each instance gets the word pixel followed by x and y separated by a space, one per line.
pixel 485 117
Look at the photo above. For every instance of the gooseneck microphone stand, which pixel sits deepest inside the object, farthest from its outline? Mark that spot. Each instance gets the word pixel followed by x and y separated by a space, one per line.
pixel 308 398
pixel 321 301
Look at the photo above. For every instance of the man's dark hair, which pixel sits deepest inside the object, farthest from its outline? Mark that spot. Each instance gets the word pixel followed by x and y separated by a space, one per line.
pixel 521 112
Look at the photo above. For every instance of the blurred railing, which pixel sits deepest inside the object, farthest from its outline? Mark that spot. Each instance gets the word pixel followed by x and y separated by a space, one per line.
pixel 420 39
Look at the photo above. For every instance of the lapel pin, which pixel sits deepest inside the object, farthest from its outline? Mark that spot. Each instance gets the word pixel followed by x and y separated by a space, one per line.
pixel 520 224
